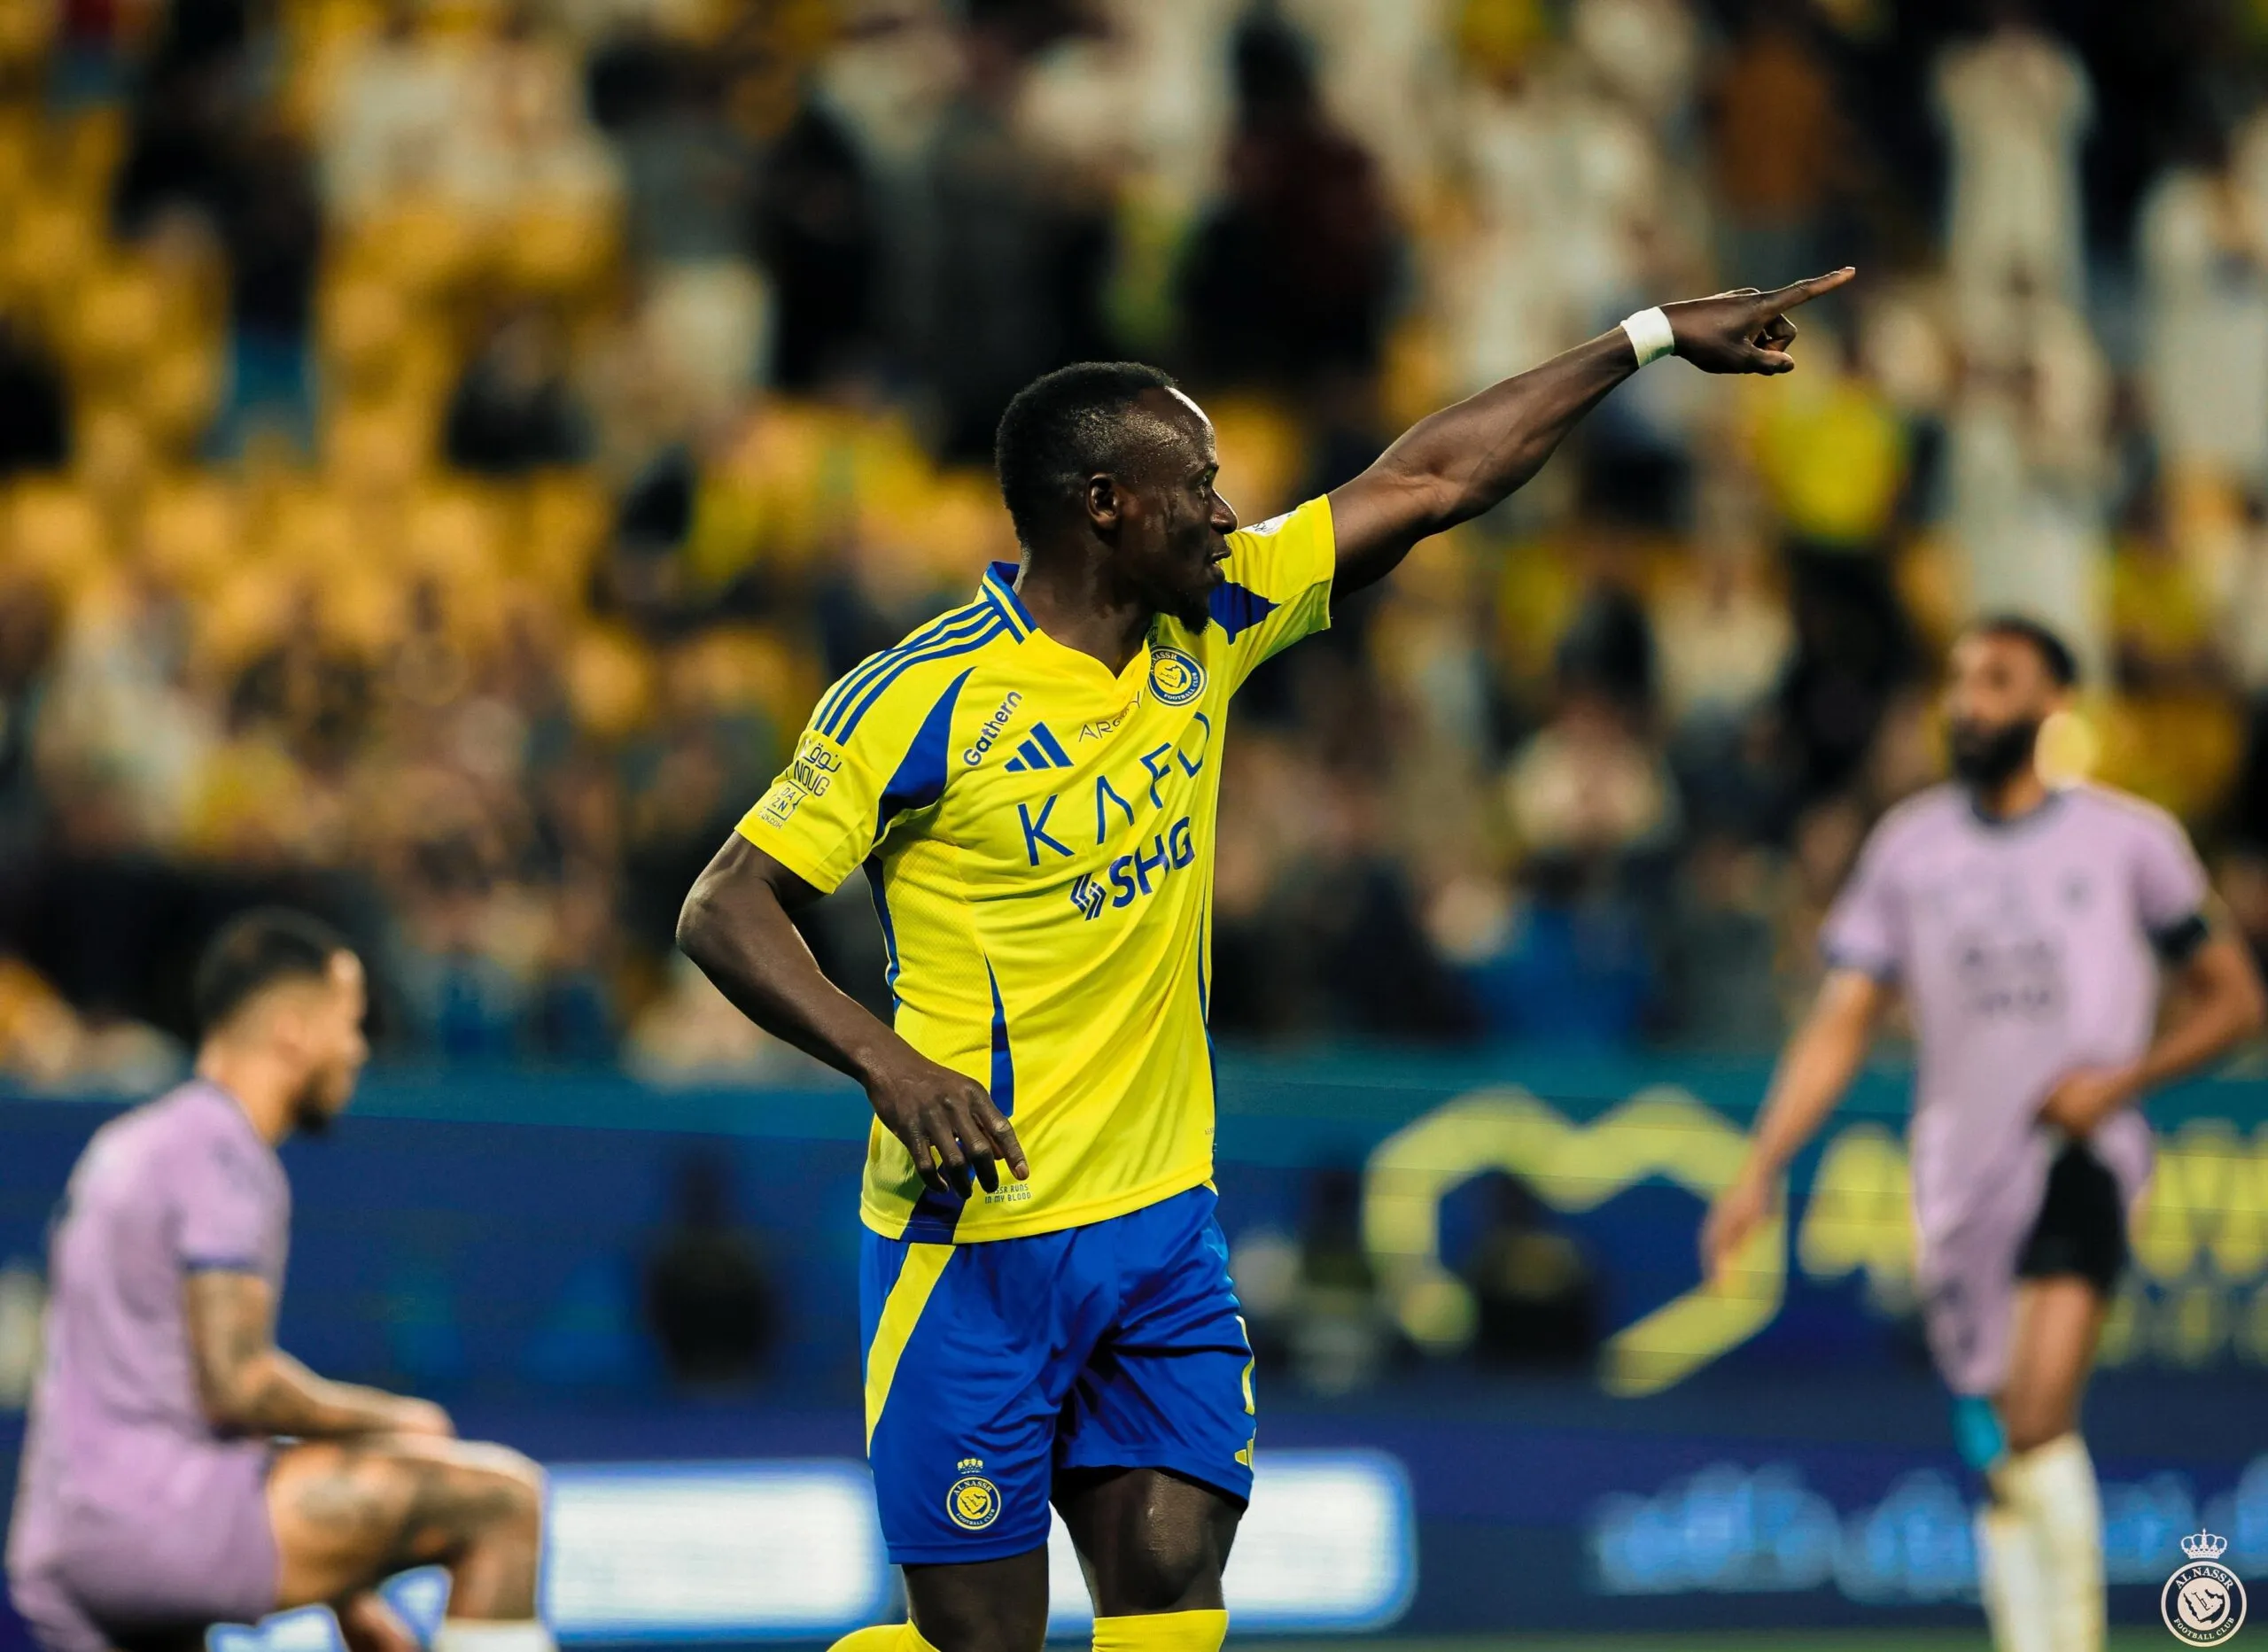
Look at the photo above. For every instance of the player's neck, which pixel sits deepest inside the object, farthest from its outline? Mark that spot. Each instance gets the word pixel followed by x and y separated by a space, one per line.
pixel 1069 598
pixel 2013 798
pixel 255 1081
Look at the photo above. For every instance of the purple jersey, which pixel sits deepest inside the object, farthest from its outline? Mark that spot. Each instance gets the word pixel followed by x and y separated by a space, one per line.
pixel 2025 950
pixel 131 1507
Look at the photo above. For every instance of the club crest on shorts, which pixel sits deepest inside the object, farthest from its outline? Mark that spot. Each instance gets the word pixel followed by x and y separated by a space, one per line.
pixel 974 1502
pixel 2203 1602
pixel 1175 677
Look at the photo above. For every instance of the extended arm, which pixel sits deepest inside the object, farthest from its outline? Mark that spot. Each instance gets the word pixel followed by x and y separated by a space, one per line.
pixel 249 1384
pixel 1450 467
pixel 736 925
pixel 1817 1066
pixel 2218 1003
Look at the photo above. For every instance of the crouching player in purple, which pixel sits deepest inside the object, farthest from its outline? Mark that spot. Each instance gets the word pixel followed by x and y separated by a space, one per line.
pixel 180 1470
pixel 2030 931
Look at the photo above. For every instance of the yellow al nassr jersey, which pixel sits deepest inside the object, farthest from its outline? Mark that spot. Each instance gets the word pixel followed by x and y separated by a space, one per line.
pixel 1038 834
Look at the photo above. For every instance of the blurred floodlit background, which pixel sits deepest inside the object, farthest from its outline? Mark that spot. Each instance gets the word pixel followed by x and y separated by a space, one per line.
pixel 447 444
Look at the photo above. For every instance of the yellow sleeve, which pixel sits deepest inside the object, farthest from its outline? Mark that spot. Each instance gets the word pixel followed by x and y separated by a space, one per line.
pixel 874 751
pixel 1279 586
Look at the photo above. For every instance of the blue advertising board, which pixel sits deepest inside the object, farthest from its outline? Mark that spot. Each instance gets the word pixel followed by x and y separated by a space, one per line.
pixel 1776 1452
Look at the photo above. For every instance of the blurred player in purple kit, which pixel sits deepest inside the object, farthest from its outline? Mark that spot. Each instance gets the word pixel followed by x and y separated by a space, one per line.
pixel 2031 930
pixel 180 1470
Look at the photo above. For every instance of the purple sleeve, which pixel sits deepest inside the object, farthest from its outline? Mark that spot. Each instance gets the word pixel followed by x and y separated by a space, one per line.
pixel 2170 889
pixel 1862 931
pixel 226 1214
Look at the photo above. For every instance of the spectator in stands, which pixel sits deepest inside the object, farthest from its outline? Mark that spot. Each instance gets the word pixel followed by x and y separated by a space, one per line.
pixel 559 240
pixel 514 410
pixel 2201 244
pixel 35 417
pixel 1592 801
pixel 29 624
pixel 186 114
pixel 1012 251
pixel 1779 144
pixel 690 177
pixel 271 228
pixel 1290 276
pixel 817 235
pixel 386 127
pixel 2016 106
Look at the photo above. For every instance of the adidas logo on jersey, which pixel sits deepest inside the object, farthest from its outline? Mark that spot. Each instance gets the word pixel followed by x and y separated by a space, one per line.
pixel 1039 749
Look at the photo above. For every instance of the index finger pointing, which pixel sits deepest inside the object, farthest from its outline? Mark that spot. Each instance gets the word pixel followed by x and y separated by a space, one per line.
pixel 1803 291
pixel 996 1125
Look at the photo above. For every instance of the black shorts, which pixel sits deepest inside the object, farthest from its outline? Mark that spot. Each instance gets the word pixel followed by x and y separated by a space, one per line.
pixel 2081 1227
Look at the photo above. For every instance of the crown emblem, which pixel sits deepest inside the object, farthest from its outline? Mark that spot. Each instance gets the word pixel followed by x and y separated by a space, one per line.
pixel 969 1465
pixel 2204 1546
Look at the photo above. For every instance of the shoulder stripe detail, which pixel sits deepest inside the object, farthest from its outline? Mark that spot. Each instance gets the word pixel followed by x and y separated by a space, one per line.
pixel 859 675
pixel 1237 608
pixel 1016 627
pixel 847 683
pixel 960 622
pixel 1001 579
pixel 944 648
pixel 920 777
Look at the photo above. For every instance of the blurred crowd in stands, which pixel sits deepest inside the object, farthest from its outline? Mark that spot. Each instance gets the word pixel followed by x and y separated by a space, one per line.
pixel 447 444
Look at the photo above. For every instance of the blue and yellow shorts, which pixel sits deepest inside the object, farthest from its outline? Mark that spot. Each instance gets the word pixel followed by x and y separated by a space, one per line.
pixel 990 1366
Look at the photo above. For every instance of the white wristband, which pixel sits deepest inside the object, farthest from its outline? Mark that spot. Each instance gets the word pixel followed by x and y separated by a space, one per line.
pixel 1650 335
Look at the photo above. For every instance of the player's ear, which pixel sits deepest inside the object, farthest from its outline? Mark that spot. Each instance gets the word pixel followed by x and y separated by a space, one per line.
pixel 1104 506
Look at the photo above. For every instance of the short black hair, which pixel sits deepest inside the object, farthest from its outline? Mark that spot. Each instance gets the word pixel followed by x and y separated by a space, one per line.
pixel 2053 652
pixel 254 950
pixel 1062 428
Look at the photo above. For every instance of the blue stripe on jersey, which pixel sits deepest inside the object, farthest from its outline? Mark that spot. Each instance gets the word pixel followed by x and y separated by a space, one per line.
pixel 961 622
pixel 1052 746
pixel 958 623
pixel 850 680
pixel 251 1264
pixel 944 648
pixel 1002 577
pixel 889 930
pixel 934 1216
pixel 1004 1063
pixel 1204 1019
pixel 1028 756
pixel 1236 608
pixel 920 777
pixel 1017 628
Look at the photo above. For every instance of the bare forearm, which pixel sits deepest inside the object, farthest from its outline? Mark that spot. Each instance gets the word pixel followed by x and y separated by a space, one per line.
pixel 1465 460
pixel 274 1393
pixel 1818 1066
pixel 737 930
pixel 2224 1007
pixel 247 1384
pixel 1469 458
pixel 1455 464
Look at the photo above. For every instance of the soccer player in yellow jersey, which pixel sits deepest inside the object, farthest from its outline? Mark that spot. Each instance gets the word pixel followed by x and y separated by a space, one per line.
pixel 1029 783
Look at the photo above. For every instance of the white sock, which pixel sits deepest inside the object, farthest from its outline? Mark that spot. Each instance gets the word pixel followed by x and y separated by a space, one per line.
pixel 2012 1573
pixel 489 1635
pixel 2053 1486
